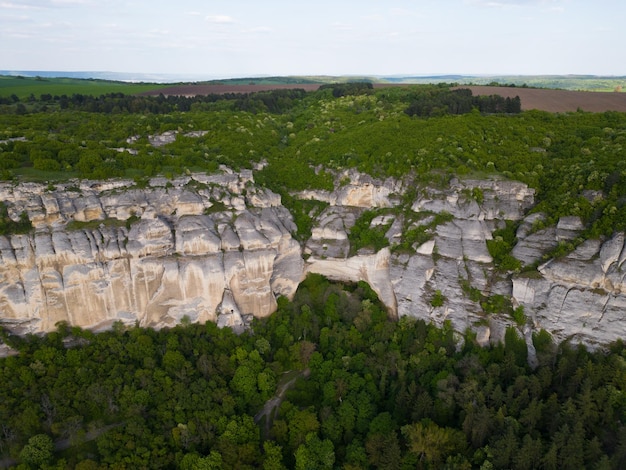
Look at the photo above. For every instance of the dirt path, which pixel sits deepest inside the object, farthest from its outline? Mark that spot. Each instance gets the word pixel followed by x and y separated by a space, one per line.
pixel 272 405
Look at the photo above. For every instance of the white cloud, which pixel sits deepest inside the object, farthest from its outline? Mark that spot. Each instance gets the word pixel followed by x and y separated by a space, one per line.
pixel 260 29
pixel 13 17
pixel 18 35
pixel 342 27
pixel 494 3
pixel 557 4
pixel 72 2
pixel 404 12
pixel 16 6
pixel 220 19
pixel 43 4
pixel 374 18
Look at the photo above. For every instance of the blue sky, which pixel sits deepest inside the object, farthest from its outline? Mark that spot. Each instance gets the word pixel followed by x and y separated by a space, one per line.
pixel 341 37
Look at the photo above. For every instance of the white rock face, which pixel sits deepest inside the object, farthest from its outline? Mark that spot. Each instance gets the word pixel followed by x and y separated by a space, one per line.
pixel 456 257
pixel 358 190
pixel 478 200
pixel 216 248
pixel 581 296
pixel 329 238
pixel 464 239
pixel 149 256
pixel 373 269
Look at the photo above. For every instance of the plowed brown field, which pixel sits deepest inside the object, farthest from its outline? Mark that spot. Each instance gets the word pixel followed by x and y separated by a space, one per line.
pixel 557 101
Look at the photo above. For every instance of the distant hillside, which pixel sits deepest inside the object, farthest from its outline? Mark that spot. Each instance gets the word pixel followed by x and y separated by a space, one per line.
pixel 565 82
pixel 112 76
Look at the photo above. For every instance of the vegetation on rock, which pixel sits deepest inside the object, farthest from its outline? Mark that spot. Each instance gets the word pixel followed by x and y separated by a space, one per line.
pixel 9 226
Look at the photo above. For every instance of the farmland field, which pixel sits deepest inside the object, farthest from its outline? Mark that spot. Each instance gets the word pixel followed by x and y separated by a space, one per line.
pixel 543 99
pixel 23 87
pixel 558 101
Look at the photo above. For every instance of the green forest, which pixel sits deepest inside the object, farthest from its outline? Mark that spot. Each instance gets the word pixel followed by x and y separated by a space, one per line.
pixel 361 392
pixel 427 133
pixel 351 389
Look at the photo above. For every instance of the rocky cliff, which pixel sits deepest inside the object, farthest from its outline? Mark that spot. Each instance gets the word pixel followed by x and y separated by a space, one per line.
pixel 205 247
pixel 451 275
pixel 581 296
pixel 453 258
pixel 220 248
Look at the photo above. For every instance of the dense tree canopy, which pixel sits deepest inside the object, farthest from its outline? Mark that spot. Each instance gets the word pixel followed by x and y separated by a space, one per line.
pixel 573 160
pixel 437 102
pixel 365 393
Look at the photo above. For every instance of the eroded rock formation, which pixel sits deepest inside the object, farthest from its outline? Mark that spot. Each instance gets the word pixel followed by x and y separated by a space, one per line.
pixel 218 248
pixel 452 260
pixel 581 296
pixel 201 247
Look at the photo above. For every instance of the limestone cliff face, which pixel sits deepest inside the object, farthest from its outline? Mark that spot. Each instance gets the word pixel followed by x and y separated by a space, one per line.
pixel 219 248
pixel 373 269
pixel 454 258
pixel 209 248
pixel 581 296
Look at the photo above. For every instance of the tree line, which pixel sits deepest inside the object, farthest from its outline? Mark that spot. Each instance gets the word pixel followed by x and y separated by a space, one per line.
pixel 461 101
pixel 273 101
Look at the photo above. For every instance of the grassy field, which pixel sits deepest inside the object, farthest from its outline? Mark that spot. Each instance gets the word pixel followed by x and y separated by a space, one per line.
pixel 23 87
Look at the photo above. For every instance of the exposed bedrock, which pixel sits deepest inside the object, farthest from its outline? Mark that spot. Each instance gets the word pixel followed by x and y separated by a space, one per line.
pixel 197 247
pixel 218 248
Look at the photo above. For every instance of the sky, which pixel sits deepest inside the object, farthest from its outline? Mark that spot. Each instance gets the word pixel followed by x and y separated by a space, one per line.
pixel 243 38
